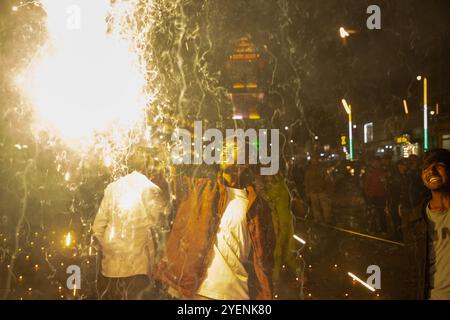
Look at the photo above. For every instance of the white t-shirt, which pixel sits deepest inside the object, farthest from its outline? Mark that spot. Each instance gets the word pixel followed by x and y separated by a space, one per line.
pixel 439 254
pixel 131 206
pixel 226 277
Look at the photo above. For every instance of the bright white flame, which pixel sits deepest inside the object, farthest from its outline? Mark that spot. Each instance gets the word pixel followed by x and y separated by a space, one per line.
pixel 112 233
pixel 107 160
pixel 85 81
pixel 129 199
pixel 343 33
pixel 68 239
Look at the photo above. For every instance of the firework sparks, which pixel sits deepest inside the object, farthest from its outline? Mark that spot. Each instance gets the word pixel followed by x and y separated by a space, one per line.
pixel 68 239
pixel 88 78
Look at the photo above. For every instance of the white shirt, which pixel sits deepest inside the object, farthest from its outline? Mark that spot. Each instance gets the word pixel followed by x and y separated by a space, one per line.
pixel 131 206
pixel 226 277
pixel 439 254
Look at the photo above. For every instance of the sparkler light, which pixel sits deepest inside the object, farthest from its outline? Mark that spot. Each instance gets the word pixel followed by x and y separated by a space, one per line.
pixel 68 239
pixel 343 33
pixel 88 78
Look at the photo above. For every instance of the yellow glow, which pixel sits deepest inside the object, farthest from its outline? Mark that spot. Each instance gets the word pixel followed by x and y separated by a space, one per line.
pixel 343 33
pixel 244 56
pixel 68 239
pixel 112 233
pixel 85 81
pixel 107 160
pixel 425 91
pixel 346 106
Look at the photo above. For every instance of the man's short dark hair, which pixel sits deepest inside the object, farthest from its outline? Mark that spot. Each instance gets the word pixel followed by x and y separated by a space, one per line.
pixel 435 156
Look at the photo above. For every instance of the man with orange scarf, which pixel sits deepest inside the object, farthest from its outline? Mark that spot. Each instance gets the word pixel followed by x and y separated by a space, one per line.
pixel 222 241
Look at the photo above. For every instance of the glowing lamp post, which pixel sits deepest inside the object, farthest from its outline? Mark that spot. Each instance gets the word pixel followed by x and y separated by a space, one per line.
pixel 425 111
pixel 348 109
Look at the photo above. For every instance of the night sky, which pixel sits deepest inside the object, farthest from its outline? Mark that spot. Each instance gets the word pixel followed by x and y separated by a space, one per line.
pixel 374 70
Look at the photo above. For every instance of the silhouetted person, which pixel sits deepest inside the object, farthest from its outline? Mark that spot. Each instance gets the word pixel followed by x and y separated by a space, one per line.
pixel 397 186
pixel 414 193
pixel 375 193
pixel 317 187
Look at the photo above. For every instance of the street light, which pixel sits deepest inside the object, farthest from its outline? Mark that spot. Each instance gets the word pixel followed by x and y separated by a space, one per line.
pixel 348 109
pixel 425 112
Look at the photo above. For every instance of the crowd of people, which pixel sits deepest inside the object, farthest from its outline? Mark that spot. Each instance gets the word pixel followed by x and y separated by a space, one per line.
pixel 223 235
pixel 378 192
pixel 412 193
pixel 228 236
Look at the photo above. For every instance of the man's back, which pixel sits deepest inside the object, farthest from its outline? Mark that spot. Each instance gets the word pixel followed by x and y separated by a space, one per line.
pixel 131 206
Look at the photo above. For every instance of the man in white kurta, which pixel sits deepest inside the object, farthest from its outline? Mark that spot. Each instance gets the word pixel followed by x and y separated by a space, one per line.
pixel 227 278
pixel 133 207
